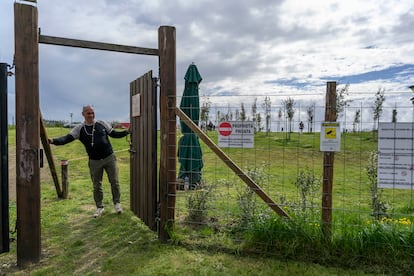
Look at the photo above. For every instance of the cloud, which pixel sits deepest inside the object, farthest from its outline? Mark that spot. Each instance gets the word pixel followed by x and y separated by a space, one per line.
pixel 260 47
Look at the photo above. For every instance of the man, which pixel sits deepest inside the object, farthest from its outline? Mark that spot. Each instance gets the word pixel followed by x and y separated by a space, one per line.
pixel 94 136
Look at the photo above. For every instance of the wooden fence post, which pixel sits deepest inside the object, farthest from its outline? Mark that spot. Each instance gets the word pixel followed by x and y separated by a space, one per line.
pixel 27 133
pixel 328 164
pixel 168 129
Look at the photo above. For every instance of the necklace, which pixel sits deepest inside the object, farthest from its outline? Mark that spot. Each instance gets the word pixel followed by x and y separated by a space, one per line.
pixel 90 134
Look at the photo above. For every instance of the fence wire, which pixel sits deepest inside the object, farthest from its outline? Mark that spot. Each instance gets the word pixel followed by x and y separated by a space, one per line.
pixel 286 162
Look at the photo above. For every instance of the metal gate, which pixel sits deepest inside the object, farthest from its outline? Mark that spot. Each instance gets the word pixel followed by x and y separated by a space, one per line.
pixel 143 149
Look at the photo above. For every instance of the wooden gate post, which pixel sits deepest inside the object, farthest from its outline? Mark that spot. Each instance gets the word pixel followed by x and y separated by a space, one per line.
pixel 328 163
pixel 27 133
pixel 168 129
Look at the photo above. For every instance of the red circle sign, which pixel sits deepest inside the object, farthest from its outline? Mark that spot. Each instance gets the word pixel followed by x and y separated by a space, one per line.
pixel 225 128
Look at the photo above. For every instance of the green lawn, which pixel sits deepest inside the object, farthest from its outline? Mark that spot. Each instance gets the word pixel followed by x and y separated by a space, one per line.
pixel 73 243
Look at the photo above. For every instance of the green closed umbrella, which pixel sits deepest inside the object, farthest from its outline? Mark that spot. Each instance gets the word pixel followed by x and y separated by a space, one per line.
pixel 189 150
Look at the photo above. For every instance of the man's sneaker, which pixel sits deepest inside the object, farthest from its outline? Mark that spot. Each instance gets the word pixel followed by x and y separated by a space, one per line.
pixel 118 208
pixel 98 212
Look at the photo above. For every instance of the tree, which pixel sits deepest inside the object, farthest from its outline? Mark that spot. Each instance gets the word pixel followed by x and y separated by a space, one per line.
pixel 259 122
pixel 357 120
pixel 377 108
pixel 310 111
pixel 394 115
pixel 267 105
pixel 205 110
pixel 254 112
pixel 279 116
pixel 341 102
pixel 289 104
pixel 242 113
pixel 219 117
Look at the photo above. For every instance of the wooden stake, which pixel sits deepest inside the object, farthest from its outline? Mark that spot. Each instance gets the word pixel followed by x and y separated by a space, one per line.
pixel 49 156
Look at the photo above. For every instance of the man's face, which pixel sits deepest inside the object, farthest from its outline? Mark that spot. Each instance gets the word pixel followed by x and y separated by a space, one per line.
pixel 89 114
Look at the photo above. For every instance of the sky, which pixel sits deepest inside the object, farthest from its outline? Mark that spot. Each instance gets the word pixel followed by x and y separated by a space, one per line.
pixel 258 48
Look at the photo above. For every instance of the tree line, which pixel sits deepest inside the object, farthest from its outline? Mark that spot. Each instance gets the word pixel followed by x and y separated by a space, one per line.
pixel 262 121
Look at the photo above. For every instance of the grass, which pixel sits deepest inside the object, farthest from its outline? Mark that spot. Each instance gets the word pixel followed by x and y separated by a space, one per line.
pixel 73 243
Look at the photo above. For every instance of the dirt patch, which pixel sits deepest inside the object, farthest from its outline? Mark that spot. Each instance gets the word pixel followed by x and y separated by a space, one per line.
pixel 45 174
pixel 12 174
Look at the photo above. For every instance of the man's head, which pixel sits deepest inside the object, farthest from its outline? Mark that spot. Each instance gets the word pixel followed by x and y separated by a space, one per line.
pixel 88 113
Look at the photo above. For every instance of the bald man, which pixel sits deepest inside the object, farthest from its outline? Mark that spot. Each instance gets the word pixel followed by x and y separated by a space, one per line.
pixel 94 136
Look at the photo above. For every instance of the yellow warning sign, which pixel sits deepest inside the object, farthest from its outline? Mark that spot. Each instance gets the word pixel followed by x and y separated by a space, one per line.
pixel 330 133
pixel 330 137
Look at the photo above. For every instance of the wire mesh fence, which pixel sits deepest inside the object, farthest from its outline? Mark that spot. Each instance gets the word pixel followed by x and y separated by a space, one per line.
pixel 287 163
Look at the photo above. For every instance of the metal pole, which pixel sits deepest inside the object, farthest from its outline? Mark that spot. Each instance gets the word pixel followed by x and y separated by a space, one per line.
pixel 4 180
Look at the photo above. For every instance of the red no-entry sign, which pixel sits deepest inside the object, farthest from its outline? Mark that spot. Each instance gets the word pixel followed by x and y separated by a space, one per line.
pixel 225 128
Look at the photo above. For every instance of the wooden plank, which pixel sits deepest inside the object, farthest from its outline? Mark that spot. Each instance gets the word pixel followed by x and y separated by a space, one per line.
pixel 146 149
pixel 226 159
pixel 328 163
pixel 168 139
pixel 49 156
pixel 134 200
pixel 154 156
pixel 60 41
pixel 27 133
pixel 141 153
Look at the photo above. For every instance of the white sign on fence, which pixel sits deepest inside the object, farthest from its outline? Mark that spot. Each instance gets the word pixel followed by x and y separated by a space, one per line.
pixel 395 155
pixel 236 134
pixel 330 136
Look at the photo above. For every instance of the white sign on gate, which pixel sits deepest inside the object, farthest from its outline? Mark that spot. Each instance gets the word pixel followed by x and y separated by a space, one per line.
pixel 136 105
pixel 236 134
pixel 395 155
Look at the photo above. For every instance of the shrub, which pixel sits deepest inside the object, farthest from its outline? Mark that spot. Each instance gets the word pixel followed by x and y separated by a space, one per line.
pixel 307 184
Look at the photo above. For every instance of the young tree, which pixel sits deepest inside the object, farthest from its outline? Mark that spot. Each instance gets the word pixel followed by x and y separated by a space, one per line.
pixel 205 110
pixel 377 108
pixel 341 102
pixel 267 105
pixel 242 113
pixel 279 116
pixel 394 115
pixel 259 122
pixel 254 114
pixel 289 104
pixel 357 120
pixel 310 111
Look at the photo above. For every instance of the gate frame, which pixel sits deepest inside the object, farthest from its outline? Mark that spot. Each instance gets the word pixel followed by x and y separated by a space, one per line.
pixel 27 41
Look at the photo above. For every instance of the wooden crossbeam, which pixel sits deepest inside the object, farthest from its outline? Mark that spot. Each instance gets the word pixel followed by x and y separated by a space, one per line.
pixel 61 41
